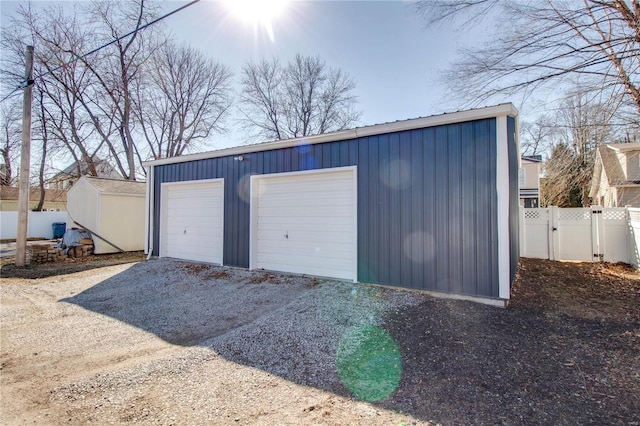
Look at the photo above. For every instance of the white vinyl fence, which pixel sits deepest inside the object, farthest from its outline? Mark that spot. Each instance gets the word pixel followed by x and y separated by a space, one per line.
pixel 583 234
pixel 39 224
pixel 634 236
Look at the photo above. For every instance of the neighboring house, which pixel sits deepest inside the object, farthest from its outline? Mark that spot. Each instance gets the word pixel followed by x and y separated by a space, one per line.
pixel 529 180
pixel 429 204
pixel 112 209
pixel 67 177
pixel 54 200
pixel 616 175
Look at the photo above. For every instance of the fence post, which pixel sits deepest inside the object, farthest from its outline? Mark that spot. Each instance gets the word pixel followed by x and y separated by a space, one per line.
pixel 522 230
pixel 597 233
pixel 553 233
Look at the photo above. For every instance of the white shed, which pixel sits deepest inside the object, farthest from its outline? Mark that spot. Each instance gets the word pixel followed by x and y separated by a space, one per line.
pixel 113 209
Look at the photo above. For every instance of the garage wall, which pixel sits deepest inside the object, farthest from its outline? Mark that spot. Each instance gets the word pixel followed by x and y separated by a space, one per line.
pixel 426 203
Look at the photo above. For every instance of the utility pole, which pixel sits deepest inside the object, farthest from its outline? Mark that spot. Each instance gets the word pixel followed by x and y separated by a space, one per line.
pixel 25 160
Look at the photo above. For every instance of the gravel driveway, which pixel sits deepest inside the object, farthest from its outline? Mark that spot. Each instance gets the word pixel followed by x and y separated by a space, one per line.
pixel 167 342
pixel 175 343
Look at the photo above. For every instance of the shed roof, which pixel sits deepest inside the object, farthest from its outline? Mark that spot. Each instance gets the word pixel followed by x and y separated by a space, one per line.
pixel 357 132
pixel 117 186
pixel 52 195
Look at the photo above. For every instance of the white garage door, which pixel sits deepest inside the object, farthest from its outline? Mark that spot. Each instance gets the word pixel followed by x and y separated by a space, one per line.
pixel 305 222
pixel 192 220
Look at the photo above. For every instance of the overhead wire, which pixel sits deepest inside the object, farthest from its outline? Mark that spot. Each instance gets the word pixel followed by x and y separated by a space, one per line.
pixel 24 83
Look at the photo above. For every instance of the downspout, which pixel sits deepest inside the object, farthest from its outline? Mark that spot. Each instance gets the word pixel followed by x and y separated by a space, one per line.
pixel 150 211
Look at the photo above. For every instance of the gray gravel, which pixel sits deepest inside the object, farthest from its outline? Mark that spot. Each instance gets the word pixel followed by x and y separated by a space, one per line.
pixel 167 342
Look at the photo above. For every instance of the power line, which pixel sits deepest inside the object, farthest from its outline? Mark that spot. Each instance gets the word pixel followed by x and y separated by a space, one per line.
pixel 97 49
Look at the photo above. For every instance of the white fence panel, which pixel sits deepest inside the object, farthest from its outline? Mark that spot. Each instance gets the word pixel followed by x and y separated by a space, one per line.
pixel 615 229
pixel 574 237
pixel 582 234
pixel 39 224
pixel 633 217
pixel 536 233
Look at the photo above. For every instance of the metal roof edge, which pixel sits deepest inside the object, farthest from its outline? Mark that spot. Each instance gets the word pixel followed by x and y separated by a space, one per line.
pixel 506 109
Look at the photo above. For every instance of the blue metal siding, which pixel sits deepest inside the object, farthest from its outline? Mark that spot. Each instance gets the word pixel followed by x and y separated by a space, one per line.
pixel 426 203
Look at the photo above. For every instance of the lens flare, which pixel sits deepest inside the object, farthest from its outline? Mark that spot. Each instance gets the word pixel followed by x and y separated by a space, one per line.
pixel 369 363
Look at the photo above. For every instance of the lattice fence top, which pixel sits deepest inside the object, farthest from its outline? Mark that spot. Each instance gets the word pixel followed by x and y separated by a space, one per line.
pixel 577 214
pixel 536 213
pixel 613 214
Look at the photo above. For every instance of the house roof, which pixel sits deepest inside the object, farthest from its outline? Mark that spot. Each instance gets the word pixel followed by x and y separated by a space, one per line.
pixel 607 162
pixel 51 195
pixel 376 129
pixel 622 147
pixel 117 186
pixel 612 166
pixel 532 158
pixel 72 170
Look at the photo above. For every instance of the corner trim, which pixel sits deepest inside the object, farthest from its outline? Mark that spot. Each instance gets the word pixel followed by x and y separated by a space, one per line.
pixel 502 190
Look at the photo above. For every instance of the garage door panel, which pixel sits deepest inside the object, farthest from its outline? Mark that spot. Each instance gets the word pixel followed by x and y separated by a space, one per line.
pixel 341 197
pixel 283 225
pixel 195 209
pixel 306 223
pixel 210 215
pixel 321 180
pixel 193 221
pixel 296 211
pixel 195 232
pixel 195 243
pixel 311 265
pixel 307 235
pixel 191 191
pixel 329 250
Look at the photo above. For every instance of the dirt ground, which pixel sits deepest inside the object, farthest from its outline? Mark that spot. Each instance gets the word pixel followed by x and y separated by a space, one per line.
pixel 70 265
pixel 170 343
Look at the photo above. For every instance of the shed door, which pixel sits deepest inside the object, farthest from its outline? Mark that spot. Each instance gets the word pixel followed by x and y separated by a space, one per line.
pixel 305 222
pixel 192 221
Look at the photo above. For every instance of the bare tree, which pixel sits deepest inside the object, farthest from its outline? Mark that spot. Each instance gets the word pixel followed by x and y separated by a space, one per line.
pixel 300 99
pixel 559 187
pixel 10 120
pixel 536 137
pixel 183 101
pixel 115 74
pixel 62 84
pixel 581 125
pixel 594 41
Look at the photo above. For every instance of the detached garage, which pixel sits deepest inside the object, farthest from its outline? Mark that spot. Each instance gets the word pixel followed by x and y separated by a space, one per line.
pixel 429 203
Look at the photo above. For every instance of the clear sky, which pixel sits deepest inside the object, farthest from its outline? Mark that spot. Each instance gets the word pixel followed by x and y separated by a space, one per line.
pixel 387 50
pixel 383 45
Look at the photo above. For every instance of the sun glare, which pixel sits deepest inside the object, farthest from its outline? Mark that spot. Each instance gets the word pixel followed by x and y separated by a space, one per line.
pixel 257 11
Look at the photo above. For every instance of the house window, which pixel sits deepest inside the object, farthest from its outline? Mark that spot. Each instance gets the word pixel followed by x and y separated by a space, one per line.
pixel 521 177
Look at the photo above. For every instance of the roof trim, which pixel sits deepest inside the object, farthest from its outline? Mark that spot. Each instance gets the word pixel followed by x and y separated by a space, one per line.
pixel 358 132
pixel 622 147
